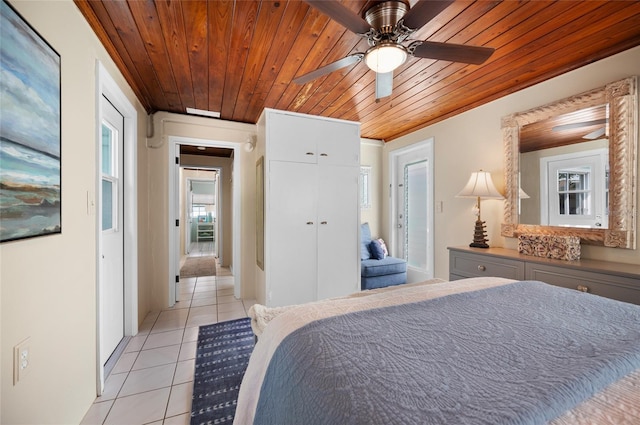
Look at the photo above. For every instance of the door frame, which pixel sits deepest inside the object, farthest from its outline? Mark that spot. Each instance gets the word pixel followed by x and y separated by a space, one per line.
pixel 413 275
pixel 174 143
pixel 107 87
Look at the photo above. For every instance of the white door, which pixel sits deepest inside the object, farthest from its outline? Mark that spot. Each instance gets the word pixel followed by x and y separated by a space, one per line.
pixel 413 211
pixel 338 252
pixel 292 224
pixel 112 227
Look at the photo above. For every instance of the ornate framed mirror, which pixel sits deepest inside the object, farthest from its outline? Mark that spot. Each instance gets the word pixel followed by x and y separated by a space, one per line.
pixel 618 130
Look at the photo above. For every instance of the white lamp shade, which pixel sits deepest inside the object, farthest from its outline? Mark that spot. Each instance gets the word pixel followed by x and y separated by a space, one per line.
pixel 385 58
pixel 480 185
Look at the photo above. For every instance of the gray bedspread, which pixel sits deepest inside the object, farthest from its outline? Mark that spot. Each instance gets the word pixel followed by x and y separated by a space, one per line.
pixel 515 354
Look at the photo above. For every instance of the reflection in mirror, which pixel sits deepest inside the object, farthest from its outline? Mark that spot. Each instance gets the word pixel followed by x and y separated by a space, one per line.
pixel 564 164
pixel 570 167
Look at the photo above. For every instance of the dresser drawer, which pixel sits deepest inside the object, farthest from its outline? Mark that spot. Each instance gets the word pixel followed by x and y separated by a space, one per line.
pixel 615 287
pixel 463 264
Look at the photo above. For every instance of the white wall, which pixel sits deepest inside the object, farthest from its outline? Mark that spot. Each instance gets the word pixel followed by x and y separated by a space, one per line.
pixel 473 140
pixel 371 155
pixel 48 284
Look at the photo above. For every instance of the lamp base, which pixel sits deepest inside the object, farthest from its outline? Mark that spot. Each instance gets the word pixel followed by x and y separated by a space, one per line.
pixel 479 235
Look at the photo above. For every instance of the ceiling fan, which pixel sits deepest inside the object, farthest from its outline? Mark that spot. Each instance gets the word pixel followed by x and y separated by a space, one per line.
pixel 601 131
pixel 386 26
pixel 592 122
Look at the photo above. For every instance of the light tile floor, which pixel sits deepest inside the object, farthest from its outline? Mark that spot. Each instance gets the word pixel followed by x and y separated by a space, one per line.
pixel 152 382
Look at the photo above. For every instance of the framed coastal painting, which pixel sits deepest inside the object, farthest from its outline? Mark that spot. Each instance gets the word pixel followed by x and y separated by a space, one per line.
pixel 29 131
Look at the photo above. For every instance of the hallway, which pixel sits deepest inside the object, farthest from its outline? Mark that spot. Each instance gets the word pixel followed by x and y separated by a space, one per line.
pixel 152 382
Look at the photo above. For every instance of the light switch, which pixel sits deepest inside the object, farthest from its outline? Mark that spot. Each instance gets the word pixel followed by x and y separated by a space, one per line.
pixel 91 204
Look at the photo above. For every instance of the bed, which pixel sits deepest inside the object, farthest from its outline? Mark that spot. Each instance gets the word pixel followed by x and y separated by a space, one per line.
pixel 473 351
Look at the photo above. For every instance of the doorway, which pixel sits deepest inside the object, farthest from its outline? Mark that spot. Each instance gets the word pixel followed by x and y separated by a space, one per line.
pixel 411 175
pixel 116 213
pixel 201 212
pixel 112 228
pixel 202 154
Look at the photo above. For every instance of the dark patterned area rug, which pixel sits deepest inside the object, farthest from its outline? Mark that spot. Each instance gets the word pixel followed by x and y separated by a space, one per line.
pixel 222 357
pixel 198 266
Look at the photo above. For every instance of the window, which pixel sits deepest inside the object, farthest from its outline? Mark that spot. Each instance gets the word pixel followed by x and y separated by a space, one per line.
pixel 365 190
pixel 109 177
pixel 574 191
pixel 416 214
pixel 199 213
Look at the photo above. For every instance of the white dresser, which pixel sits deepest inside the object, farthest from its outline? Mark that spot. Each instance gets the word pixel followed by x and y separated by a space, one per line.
pixel 311 209
pixel 612 280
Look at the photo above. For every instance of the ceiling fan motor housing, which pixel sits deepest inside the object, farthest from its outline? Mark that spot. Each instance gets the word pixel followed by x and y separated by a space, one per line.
pixel 383 18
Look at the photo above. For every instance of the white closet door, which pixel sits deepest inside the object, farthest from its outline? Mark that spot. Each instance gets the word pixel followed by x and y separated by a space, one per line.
pixel 292 247
pixel 293 138
pixel 335 143
pixel 338 255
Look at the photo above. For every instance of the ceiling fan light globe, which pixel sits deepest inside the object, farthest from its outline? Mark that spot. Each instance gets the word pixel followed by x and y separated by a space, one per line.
pixel 385 58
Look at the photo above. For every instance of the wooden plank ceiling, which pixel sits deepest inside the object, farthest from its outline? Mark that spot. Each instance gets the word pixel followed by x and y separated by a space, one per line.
pixel 238 57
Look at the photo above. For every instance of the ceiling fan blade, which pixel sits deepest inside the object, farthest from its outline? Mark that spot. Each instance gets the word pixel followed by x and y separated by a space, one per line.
pixel 453 52
pixel 575 125
pixel 334 66
pixel 424 11
pixel 595 134
pixel 384 84
pixel 341 14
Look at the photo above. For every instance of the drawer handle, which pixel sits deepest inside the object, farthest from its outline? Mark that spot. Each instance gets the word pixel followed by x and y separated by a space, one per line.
pixel 309 222
pixel 309 153
pixel 482 268
pixel 323 222
pixel 323 154
pixel 582 288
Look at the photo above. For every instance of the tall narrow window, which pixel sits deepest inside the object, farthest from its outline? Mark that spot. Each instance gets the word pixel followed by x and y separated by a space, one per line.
pixel 415 188
pixel 365 191
pixel 109 177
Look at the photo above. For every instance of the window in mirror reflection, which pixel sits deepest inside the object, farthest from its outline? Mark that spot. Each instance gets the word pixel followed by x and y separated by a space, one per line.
pixel 575 189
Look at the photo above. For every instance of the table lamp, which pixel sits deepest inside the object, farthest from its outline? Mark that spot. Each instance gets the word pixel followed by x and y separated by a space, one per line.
pixel 479 186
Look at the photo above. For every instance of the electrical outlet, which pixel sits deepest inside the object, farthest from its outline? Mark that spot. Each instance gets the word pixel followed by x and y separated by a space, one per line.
pixel 21 360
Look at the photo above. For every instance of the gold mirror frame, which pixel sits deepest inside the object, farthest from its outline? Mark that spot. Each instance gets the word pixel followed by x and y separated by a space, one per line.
pixel 623 134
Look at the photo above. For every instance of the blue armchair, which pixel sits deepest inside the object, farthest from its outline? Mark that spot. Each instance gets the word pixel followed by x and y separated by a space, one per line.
pixel 378 270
